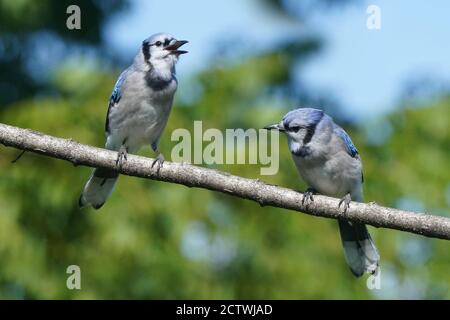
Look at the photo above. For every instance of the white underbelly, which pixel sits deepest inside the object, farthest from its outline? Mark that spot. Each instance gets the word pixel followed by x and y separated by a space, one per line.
pixel 143 124
pixel 323 180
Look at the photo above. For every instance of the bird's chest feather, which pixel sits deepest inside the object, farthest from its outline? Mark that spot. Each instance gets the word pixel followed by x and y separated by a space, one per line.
pixel 155 108
pixel 142 114
pixel 332 176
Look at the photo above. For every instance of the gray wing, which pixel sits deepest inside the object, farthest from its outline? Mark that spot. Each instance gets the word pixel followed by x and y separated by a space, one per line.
pixel 115 96
pixel 350 147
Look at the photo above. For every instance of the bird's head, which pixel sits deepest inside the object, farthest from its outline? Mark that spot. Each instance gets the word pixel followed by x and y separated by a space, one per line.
pixel 299 125
pixel 162 48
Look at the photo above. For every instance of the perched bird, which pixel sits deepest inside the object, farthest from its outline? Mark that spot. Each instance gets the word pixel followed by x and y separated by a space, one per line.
pixel 329 163
pixel 138 110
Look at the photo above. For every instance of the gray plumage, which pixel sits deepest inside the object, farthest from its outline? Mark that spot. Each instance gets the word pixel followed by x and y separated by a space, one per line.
pixel 138 110
pixel 329 163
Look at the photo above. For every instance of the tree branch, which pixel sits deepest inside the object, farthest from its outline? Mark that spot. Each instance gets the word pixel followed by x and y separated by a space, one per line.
pixel 251 189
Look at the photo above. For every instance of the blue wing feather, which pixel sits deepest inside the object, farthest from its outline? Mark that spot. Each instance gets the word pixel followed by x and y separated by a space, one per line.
pixel 115 96
pixel 351 149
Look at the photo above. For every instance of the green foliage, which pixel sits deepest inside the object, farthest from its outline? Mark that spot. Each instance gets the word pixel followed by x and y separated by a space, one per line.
pixel 31 31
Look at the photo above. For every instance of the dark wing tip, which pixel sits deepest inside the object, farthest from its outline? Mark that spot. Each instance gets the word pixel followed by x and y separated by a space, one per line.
pixel 81 203
pixel 98 206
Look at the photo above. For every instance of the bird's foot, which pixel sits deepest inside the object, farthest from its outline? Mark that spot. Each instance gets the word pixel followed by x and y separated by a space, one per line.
pixel 159 162
pixel 308 195
pixel 121 156
pixel 346 201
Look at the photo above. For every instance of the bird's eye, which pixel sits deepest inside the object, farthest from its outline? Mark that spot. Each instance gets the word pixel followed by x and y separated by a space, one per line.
pixel 294 128
pixel 158 43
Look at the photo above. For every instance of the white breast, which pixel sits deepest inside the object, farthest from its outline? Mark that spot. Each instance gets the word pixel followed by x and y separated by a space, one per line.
pixel 141 115
pixel 334 176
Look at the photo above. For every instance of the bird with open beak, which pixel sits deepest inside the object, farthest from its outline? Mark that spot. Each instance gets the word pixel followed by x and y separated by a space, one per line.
pixel 138 110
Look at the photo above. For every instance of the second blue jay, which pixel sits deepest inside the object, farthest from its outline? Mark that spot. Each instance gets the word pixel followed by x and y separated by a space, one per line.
pixel 329 163
pixel 138 110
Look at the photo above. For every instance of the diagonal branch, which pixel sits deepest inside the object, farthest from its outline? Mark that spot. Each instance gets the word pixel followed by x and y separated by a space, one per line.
pixel 251 189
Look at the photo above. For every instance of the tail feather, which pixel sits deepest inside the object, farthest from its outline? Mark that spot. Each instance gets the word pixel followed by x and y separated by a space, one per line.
pixel 98 188
pixel 360 251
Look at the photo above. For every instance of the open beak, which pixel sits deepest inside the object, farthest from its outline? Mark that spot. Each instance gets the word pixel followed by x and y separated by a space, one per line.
pixel 173 48
pixel 275 127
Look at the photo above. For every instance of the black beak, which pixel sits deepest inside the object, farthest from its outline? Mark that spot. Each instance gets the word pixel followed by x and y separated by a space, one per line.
pixel 275 127
pixel 174 47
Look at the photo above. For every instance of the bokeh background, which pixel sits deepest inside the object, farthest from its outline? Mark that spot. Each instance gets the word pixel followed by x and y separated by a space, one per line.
pixel 249 63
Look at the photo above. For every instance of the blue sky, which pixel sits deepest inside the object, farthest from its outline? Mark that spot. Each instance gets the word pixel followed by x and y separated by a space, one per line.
pixel 365 70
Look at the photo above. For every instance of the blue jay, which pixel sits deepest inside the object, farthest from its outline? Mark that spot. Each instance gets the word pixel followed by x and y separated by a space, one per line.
pixel 329 163
pixel 138 110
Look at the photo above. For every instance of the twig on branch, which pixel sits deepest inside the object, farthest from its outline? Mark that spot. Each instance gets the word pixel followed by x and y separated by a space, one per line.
pixel 251 189
pixel 18 157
